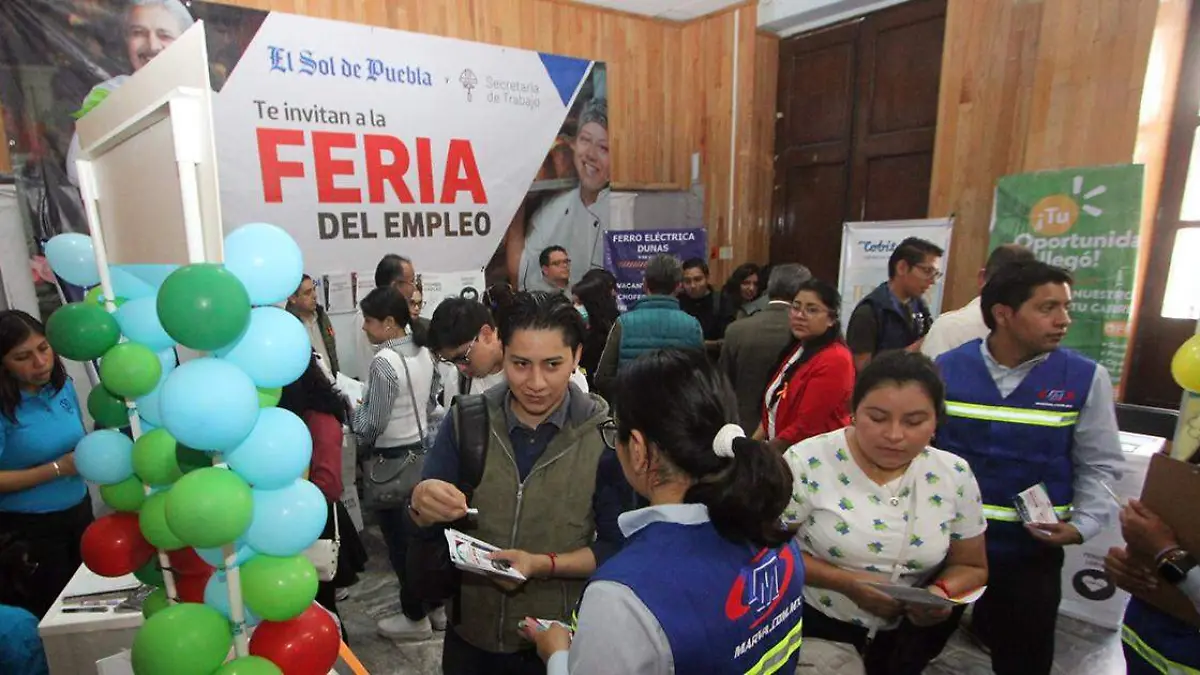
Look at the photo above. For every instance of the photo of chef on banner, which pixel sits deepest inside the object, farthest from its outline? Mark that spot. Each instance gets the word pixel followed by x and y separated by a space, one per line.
pixel 568 204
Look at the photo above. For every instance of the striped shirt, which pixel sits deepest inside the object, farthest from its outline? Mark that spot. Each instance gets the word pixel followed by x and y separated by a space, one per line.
pixel 383 386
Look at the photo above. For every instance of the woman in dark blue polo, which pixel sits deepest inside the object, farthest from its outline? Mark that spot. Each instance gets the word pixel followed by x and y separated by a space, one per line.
pixel 43 501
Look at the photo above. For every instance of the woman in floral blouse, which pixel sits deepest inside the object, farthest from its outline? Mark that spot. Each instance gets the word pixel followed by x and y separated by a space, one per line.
pixel 874 503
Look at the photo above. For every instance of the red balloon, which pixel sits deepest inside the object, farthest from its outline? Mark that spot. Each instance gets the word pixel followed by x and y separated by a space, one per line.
pixel 185 561
pixel 113 546
pixel 190 587
pixel 305 645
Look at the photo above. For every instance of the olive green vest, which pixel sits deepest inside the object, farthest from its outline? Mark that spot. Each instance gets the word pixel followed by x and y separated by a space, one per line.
pixel 550 513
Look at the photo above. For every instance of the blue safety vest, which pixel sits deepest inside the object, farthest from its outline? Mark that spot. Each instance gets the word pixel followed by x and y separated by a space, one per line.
pixel 1018 441
pixel 1156 642
pixel 725 608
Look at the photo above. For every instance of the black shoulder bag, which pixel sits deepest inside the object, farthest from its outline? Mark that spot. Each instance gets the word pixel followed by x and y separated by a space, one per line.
pixel 433 578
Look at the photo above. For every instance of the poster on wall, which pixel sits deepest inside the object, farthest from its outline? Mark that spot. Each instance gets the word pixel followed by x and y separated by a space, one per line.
pixel 359 141
pixel 866 248
pixel 626 254
pixel 1088 221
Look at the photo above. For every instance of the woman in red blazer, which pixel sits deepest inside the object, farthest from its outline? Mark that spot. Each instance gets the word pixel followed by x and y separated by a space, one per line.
pixel 809 393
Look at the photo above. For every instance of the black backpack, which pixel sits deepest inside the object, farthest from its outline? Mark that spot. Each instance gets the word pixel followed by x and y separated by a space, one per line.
pixel 431 576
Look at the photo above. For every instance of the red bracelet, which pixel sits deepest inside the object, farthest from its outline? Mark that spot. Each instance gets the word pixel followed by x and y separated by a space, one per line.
pixel 553 562
pixel 941 583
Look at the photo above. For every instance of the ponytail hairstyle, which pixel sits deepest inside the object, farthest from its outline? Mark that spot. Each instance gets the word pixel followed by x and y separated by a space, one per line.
pixel 683 405
pixel 387 301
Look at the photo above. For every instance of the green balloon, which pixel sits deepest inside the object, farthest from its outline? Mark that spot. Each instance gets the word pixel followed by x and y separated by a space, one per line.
pixel 183 639
pixel 107 409
pixel 130 370
pixel 154 603
pixel 278 589
pixel 81 331
pixel 269 398
pixel 249 665
pixel 151 574
pixel 190 460
pixel 209 507
pixel 154 458
pixel 127 495
pixel 203 306
pixel 153 523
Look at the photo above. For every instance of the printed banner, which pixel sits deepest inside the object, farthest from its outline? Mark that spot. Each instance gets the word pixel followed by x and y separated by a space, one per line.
pixel 866 248
pixel 1087 220
pixel 626 253
pixel 359 141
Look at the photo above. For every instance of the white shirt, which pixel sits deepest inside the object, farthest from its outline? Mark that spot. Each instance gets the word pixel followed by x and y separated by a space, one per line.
pixel 566 221
pixel 849 521
pixel 954 329
pixel 770 402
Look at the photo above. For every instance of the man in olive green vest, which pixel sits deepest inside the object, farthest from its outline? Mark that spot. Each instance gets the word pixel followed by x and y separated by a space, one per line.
pixel 550 494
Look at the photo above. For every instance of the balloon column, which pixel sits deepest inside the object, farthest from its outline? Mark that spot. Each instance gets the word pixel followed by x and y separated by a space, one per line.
pixel 1185 368
pixel 212 474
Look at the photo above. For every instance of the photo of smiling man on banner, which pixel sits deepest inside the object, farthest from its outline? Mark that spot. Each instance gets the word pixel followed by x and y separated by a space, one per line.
pixel 148 27
pixel 574 218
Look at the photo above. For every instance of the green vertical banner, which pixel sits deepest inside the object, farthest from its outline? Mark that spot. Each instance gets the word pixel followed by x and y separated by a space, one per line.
pixel 1087 220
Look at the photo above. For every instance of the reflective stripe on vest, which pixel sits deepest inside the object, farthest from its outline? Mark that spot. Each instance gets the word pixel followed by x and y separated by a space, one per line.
pixel 1157 661
pixel 777 657
pixel 996 413
pixel 1010 515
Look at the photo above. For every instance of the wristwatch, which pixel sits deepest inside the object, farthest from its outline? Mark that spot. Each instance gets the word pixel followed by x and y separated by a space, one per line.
pixel 1174 565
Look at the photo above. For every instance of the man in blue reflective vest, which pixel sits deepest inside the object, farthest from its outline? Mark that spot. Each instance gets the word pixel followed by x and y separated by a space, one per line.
pixel 1022 411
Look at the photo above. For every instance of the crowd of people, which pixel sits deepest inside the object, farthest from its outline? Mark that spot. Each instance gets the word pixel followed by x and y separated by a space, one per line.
pixel 712 481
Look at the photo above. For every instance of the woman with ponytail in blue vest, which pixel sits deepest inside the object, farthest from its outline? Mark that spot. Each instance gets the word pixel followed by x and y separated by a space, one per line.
pixel 708 581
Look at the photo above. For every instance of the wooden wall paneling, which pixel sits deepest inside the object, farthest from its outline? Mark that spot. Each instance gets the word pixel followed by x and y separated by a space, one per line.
pixel 1029 85
pixel 762 161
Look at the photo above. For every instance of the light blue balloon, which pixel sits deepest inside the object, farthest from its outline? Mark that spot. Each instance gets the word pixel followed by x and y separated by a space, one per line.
pixel 275 453
pixel 139 322
pixel 216 595
pixel 274 350
pixel 216 556
pixel 209 404
pixel 128 286
pixel 146 426
pixel 104 457
pixel 266 260
pixel 152 274
pixel 168 360
pixel 73 258
pixel 149 407
pixel 288 520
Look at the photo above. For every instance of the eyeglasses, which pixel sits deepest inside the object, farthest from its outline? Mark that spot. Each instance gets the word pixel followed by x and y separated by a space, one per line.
pixel 806 311
pixel 930 272
pixel 608 433
pixel 560 263
pixel 465 358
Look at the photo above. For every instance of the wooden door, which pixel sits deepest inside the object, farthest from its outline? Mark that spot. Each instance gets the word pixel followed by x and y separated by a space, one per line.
pixel 858 110
pixel 900 67
pixel 812 168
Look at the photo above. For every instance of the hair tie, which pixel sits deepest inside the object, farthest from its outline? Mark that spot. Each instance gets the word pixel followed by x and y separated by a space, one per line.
pixel 723 443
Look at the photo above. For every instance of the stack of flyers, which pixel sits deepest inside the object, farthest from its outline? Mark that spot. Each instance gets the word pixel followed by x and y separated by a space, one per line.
pixel 540 625
pixel 919 596
pixel 472 555
pixel 1034 505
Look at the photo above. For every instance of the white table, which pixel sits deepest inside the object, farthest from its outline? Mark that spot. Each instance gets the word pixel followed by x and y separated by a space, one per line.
pixel 75 641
